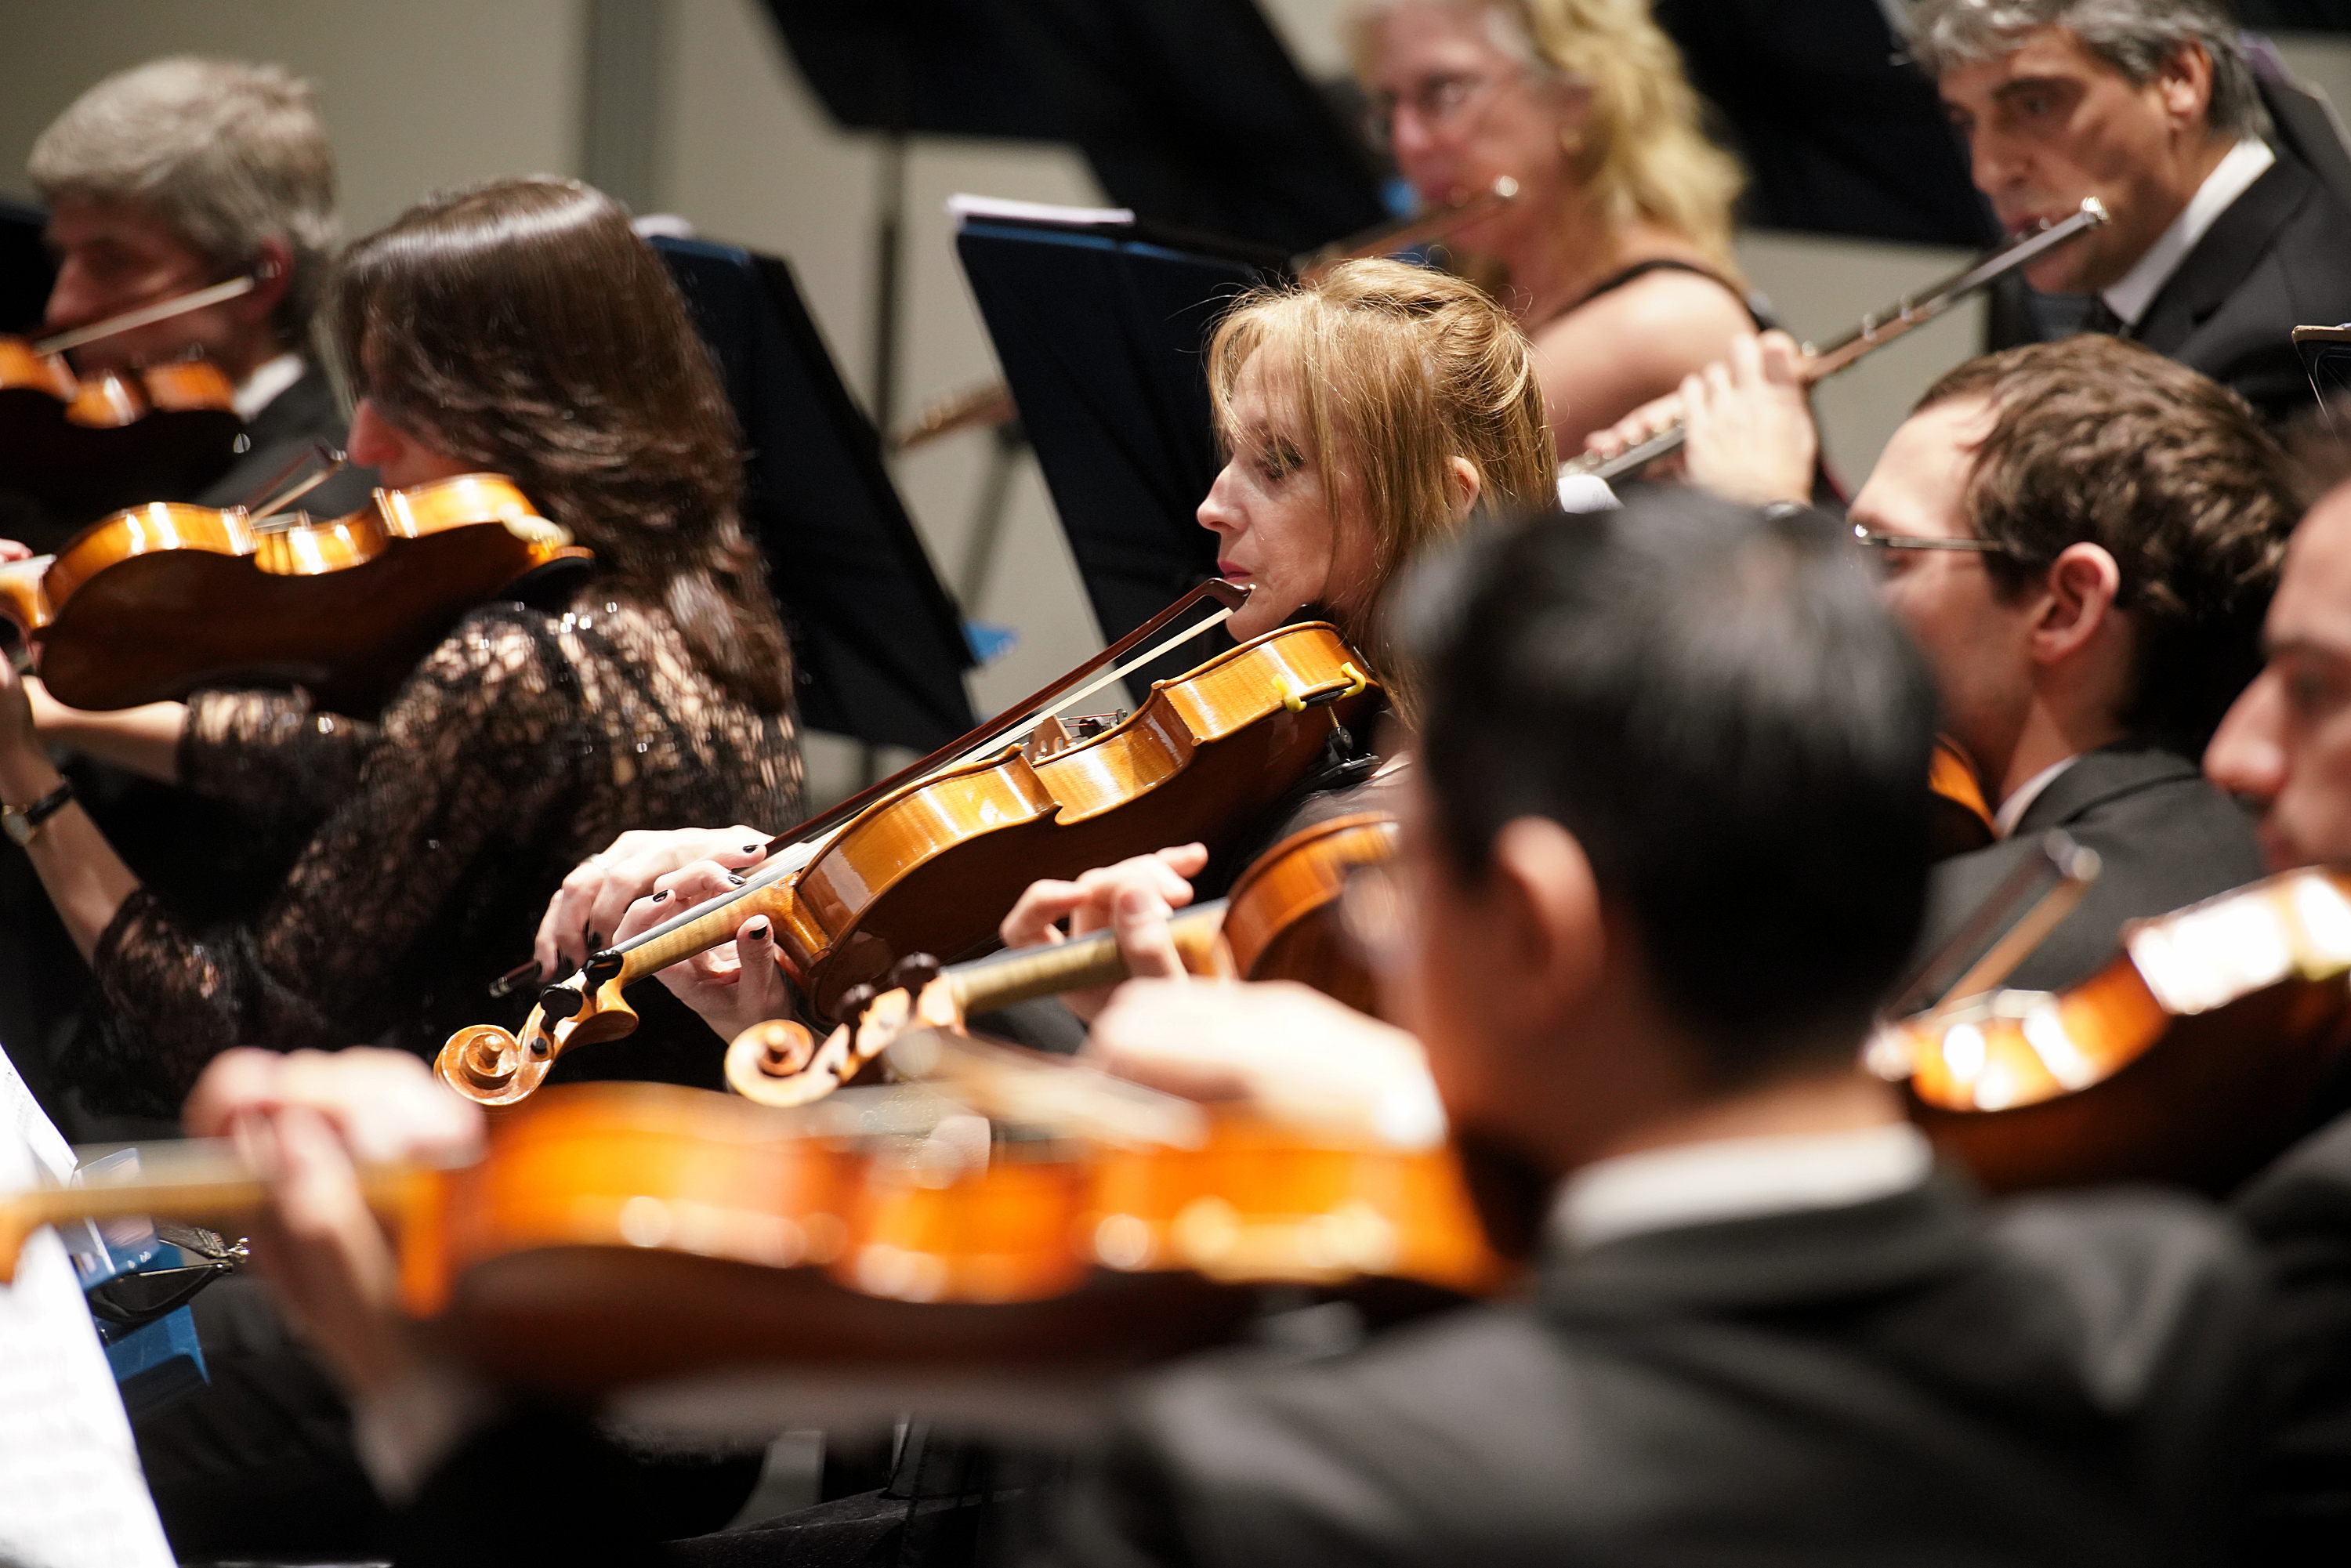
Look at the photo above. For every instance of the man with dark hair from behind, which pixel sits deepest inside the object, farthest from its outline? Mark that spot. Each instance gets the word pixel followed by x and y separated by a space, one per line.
pixel 1666 849
pixel 2082 536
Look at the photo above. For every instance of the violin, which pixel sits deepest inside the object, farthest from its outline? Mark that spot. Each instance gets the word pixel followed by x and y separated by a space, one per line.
pixel 614 1232
pixel 2193 1057
pixel 1279 923
pixel 929 865
pixel 155 602
pixel 1963 820
pixel 86 444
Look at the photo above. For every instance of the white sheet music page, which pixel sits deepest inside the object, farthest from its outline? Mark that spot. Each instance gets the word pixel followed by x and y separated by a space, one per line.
pixel 71 1495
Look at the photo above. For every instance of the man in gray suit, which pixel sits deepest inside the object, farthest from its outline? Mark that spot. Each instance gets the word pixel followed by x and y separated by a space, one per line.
pixel 1665 849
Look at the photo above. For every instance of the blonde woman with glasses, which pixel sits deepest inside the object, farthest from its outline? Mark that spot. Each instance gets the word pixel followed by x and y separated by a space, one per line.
pixel 1615 257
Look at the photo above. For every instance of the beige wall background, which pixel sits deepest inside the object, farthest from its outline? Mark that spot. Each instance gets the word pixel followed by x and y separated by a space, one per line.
pixel 719 128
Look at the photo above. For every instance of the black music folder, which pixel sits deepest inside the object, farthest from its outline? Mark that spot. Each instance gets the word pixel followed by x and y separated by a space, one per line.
pixel 1101 324
pixel 881 647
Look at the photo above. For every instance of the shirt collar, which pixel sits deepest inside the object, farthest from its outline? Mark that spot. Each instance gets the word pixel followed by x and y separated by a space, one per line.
pixel 2012 811
pixel 1737 1178
pixel 2247 162
pixel 261 388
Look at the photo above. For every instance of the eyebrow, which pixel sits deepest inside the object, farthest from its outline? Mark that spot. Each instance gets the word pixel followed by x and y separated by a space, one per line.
pixel 2019 84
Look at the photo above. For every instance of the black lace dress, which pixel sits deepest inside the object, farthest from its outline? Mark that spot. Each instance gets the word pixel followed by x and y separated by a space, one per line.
pixel 430 841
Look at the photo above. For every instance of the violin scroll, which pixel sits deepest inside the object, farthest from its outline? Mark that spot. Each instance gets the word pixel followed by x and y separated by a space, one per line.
pixel 490 1066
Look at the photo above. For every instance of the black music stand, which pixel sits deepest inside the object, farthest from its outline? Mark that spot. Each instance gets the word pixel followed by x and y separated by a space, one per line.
pixel 1101 328
pixel 26 270
pixel 1190 111
pixel 880 649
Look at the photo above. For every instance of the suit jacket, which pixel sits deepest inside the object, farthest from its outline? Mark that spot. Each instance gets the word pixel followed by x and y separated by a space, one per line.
pixel 2275 260
pixel 303 413
pixel 2166 837
pixel 2299 1212
pixel 1914 1379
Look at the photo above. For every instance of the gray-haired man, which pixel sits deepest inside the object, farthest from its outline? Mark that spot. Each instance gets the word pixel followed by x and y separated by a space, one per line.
pixel 2220 244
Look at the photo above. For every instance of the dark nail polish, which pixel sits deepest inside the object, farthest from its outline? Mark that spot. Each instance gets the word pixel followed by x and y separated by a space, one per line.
pixel 659 896
pixel 756 933
pixel 734 879
pixel 751 849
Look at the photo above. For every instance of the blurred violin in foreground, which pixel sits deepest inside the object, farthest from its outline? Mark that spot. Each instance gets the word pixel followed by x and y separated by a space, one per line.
pixel 2195 1056
pixel 1010 1214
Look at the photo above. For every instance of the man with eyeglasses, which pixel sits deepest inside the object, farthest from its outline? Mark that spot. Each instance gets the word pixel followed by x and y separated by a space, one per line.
pixel 2083 537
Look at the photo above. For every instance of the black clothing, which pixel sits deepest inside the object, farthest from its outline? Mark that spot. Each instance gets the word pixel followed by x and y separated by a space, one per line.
pixel 1751 303
pixel 522 744
pixel 1915 1379
pixel 2300 1213
pixel 2166 837
pixel 2272 261
pixel 284 429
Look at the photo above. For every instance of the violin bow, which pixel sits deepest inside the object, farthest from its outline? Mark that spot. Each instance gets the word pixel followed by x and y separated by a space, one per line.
pixel 2056 880
pixel 148 315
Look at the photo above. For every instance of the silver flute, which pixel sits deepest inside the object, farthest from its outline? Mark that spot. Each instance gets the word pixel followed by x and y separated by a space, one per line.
pixel 1877 330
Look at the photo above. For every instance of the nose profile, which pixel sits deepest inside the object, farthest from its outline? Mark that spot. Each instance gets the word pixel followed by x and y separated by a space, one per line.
pixel 2247 756
pixel 1215 512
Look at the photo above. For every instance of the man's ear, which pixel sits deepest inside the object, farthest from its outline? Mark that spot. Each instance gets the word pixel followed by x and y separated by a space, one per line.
pixel 2184 80
pixel 273 266
pixel 1462 487
pixel 1547 914
pixel 2078 601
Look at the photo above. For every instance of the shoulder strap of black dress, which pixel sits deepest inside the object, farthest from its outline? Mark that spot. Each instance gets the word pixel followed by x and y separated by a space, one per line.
pixel 1641 269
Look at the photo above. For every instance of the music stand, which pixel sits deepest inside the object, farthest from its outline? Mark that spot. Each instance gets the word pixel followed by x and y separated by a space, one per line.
pixel 880 646
pixel 1101 328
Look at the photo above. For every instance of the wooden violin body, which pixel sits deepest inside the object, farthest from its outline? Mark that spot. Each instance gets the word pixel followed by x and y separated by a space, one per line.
pixel 1281 922
pixel 931 868
pixel 616 1232
pixel 88 444
pixel 1962 816
pixel 2192 1057
pixel 155 602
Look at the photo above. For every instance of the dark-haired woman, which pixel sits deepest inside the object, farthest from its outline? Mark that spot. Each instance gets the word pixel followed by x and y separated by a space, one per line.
pixel 519 328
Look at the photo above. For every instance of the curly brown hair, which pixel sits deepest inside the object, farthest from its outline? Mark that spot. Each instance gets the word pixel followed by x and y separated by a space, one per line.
pixel 522 324
pixel 2101 440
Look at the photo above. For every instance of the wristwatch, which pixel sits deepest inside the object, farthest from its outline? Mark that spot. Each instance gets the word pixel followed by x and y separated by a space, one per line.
pixel 23 823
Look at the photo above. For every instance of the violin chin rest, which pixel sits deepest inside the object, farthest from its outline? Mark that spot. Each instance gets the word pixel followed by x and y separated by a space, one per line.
pixel 490 1066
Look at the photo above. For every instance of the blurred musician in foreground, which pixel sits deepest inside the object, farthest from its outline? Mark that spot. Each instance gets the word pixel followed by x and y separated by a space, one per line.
pixel 1364 416
pixel 185 172
pixel 2083 537
pixel 2218 244
pixel 1615 255
pixel 521 327
pixel 1666 849
pixel 2286 748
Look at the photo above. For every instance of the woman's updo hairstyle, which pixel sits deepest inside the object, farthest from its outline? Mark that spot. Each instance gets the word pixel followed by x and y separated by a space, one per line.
pixel 1397 369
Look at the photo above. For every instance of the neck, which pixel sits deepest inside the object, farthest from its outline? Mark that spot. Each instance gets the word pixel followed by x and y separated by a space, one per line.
pixel 2049 738
pixel 1841 1099
pixel 1555 260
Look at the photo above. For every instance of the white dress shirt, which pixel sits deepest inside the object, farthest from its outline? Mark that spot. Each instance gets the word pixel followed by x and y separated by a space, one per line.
pixel 2247 162
pixel 2012 811
pixel 259 390
pixel 1737 1178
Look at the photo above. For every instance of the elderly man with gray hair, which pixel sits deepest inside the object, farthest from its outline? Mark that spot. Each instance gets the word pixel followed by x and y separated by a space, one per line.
pixel 2220 244
pixel 183 173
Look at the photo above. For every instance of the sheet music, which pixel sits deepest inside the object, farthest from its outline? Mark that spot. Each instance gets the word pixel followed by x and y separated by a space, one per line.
pixel 71 1495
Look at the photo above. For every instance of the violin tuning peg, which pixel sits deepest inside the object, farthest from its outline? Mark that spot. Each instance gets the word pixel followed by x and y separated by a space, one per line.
pixel 913 971
pixel 855 1001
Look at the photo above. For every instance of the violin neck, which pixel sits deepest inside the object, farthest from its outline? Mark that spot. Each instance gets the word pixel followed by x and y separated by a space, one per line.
pixel 1024 974
pixel 195 1182
pixel 669 944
